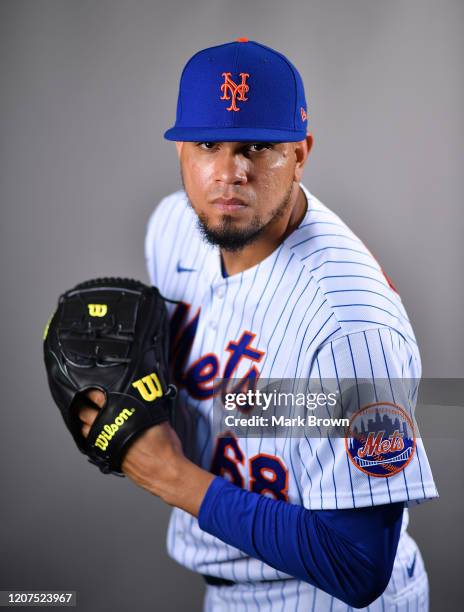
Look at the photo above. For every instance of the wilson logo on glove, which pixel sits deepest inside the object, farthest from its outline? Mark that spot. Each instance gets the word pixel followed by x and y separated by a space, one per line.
pixel 108 431
pixel 97 310
pixel 149 387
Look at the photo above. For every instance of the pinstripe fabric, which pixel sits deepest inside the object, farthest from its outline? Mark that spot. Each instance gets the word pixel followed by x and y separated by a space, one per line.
pixel 319 307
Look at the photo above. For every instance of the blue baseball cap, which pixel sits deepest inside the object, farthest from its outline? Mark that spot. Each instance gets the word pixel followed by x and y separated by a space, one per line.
pixel 240 91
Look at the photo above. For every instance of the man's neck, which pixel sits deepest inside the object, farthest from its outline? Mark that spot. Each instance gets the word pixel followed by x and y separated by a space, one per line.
pixel 251 255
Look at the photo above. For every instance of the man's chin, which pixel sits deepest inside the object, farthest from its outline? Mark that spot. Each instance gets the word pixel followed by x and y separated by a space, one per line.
pixel 229 238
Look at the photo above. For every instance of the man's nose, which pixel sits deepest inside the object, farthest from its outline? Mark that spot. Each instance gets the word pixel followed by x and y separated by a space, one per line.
pixel 231 168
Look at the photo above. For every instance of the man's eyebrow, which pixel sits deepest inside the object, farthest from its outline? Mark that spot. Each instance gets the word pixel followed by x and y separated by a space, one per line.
pixel 261 142
pixel 238 142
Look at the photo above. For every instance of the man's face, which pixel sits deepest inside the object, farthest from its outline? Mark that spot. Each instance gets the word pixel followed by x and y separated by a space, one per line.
pixel 238 189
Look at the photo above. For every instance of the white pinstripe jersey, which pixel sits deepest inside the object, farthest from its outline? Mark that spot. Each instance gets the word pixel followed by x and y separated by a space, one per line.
pixel 318 306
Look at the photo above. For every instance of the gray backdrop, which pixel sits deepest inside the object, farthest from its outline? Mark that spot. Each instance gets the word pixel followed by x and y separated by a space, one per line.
pixel 87 89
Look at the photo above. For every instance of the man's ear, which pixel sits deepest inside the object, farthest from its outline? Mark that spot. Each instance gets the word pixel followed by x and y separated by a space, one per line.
pixel 302 150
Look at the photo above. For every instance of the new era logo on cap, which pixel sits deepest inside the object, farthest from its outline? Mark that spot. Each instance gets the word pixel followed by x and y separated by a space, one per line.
pixel 240 91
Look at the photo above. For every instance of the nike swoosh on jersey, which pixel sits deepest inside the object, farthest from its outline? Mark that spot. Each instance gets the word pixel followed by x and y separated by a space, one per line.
pixel 411 567
pixel 181 268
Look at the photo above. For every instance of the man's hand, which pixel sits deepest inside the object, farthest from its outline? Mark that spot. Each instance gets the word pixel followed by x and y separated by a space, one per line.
pixel 155 461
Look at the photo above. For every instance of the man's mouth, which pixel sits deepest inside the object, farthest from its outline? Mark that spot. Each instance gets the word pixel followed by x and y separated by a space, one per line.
pixel 229 205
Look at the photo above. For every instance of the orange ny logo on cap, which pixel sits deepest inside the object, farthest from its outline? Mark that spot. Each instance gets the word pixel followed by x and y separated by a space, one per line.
pixel 237 91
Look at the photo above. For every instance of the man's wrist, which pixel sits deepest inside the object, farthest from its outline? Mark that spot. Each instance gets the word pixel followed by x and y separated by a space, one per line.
pixel 186 485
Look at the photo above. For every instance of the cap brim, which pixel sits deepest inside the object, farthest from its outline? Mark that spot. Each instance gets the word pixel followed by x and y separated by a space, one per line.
pixel 233 134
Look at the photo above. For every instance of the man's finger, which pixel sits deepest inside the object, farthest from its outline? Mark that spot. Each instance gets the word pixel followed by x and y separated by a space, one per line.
pixel 97 397
pixel 87 415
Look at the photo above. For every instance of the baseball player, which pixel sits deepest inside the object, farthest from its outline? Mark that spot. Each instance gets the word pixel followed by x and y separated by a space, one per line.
pixel 269 283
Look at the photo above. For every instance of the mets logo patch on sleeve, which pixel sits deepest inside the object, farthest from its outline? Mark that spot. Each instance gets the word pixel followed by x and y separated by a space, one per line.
pixel 381 439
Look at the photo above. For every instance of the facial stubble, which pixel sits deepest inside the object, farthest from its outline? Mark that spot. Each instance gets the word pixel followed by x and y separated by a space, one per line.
pixel 232 239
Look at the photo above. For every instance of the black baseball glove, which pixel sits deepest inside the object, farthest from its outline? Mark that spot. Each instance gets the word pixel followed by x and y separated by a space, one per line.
pixel 110 334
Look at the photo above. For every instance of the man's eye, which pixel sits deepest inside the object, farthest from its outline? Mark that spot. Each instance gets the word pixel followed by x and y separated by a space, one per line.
pixel 260 146
pixel 253 147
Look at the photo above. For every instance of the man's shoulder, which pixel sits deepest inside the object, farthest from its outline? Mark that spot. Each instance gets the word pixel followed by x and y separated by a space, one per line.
pixel 171 226
pixel 323 238
pixel 168 207
pixel 172 214
pixel 348 275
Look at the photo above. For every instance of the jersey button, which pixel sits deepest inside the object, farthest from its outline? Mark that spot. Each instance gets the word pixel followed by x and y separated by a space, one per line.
pixel 213 325
pixel 220 292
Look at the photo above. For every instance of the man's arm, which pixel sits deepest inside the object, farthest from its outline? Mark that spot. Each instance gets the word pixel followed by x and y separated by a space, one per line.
pixel 347 553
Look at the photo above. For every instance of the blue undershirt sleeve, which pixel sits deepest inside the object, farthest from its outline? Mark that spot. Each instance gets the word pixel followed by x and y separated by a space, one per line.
pixel 347 553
